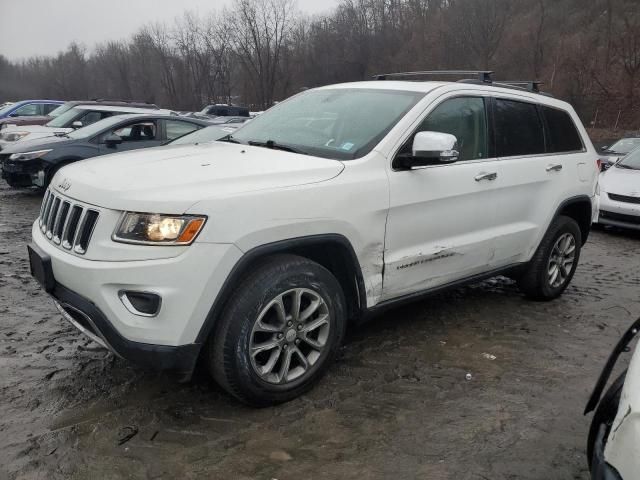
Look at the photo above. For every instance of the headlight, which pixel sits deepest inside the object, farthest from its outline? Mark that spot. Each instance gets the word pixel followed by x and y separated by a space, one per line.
pixel 12 136
pixel 29 155
pixel 155 229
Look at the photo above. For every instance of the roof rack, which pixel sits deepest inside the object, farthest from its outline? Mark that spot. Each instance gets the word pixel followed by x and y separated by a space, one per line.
pixel 483 76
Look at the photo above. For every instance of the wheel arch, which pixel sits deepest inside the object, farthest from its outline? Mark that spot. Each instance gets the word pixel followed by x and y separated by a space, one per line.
pixel 332 251
pixel 579 209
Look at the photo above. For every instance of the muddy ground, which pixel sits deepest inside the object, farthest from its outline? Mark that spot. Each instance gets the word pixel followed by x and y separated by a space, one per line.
pixel 396 405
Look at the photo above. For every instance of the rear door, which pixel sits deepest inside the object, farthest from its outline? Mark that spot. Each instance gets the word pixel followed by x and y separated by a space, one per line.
pixel 532 175
pixel 441 221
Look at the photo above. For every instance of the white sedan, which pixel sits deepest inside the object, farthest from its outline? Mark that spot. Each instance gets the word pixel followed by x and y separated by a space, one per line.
pixel 620 193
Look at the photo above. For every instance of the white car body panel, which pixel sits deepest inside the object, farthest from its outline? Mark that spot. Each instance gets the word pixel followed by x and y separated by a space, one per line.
pixel 624 182
pixel 622 449
pixel 438 220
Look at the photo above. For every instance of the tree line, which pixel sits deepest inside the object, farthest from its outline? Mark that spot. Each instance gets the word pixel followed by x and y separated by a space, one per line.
pixel 257 52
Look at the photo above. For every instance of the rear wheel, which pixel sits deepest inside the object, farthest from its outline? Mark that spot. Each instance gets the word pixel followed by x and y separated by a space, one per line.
pixel 279 331
pixel 553 265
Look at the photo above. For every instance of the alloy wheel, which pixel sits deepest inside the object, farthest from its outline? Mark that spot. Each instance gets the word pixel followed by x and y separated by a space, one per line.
pixel 561 260
pixel 289 336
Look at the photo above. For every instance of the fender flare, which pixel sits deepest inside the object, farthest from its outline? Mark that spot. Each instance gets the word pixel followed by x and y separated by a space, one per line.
pixel 282 246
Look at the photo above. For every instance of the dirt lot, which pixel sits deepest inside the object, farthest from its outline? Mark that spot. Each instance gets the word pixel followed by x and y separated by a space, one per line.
pixel 397 404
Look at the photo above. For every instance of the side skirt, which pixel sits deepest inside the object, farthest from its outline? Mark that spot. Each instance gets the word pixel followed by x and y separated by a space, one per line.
pixel 416 296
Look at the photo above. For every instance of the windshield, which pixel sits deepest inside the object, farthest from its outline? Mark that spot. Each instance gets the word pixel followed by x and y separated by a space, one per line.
pixel 631 161
pixel 341 124
pixel 625 145
pixel 64 119
pixel 60 110
pixel 208 134
pixel 7 109
pixel 97 127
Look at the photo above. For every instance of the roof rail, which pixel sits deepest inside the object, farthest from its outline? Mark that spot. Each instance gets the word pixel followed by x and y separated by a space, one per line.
pixel 530 85
pixel 483 76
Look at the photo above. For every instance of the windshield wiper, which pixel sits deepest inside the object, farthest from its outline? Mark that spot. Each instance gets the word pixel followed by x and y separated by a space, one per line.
pixel 229 138
pixel 276 146
pixel 622 165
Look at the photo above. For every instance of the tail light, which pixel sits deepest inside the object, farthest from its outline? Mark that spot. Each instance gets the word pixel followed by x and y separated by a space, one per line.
pixel 599 163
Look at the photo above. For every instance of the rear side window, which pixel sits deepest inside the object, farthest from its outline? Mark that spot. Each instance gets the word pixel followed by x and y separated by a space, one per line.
pixel 562 133
pixel 177 129
pixel 518 129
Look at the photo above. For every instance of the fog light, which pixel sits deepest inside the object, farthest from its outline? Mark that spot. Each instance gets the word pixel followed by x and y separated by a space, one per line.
pixel 145 304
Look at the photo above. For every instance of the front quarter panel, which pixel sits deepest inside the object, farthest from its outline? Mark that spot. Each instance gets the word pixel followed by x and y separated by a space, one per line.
pixel 622 450
pixel 354 204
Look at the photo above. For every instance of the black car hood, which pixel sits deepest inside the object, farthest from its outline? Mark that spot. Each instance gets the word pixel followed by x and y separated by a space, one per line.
pixel 37 144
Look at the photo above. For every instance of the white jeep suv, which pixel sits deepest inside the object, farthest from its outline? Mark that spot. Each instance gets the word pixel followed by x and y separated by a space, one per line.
pixel 253 254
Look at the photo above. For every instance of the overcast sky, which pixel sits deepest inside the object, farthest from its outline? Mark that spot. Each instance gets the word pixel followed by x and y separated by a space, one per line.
pixel 44 27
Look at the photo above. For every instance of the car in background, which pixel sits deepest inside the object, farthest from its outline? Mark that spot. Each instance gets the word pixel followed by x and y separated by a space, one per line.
pixel 611 154
pixel 230 120
pixel 619 196
pixel 34 162
pixel 43 119
pixel 224 110
pixel 613 445
pixel 29 108
pixel 75 117
pixel 205 135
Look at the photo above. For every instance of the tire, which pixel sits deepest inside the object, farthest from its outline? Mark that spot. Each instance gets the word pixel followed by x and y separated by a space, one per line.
pixel 605 414
pixel 251 319
pixel 537 281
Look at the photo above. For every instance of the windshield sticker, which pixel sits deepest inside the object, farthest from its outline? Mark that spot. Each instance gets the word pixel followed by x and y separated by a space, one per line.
pixel 347 146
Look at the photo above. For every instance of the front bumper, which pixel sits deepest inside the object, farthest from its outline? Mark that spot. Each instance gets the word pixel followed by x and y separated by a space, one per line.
pixel 618 214
pixel 20 173
pixel 87 290
pixel 88 318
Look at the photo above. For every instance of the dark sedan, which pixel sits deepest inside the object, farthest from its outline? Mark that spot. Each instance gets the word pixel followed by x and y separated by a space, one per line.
pixel 35 162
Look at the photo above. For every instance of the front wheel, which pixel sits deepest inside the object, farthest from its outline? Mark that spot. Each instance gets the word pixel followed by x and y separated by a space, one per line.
pixel 279 331
pixel 553 265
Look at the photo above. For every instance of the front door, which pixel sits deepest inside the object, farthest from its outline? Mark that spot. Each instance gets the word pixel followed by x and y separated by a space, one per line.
pixel 441 222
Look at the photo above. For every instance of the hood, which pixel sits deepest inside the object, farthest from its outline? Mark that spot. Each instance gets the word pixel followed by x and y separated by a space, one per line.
pixel 31 145
pixel 173 178
pixel 34 120
pixel 621 181
pixel 36 131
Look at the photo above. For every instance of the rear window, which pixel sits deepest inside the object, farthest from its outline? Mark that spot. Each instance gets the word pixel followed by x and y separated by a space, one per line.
pixel 562 135
pixel 518 129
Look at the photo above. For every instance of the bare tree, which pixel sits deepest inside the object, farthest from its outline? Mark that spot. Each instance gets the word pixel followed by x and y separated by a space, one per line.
pixel 260 29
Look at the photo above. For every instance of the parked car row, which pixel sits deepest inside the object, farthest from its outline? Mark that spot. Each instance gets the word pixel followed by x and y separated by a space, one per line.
pixel 34 147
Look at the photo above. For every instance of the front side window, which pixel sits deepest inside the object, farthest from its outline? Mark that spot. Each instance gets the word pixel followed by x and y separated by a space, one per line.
pixel 463 117
pixel 518 129
pixel 336 123
pixel 93 117
pixel 30 110
pixel 138 132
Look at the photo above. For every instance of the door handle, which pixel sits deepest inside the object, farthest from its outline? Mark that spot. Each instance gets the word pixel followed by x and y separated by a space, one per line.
pixel 554 168
pixel 486 176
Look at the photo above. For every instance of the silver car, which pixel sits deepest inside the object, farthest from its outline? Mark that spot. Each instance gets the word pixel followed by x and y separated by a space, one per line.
pixel 620 193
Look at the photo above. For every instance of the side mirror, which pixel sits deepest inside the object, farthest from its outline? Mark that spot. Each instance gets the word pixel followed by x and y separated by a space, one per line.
pixel 430 148
pixel 604 148
pixel 112 140
pixel 77 124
